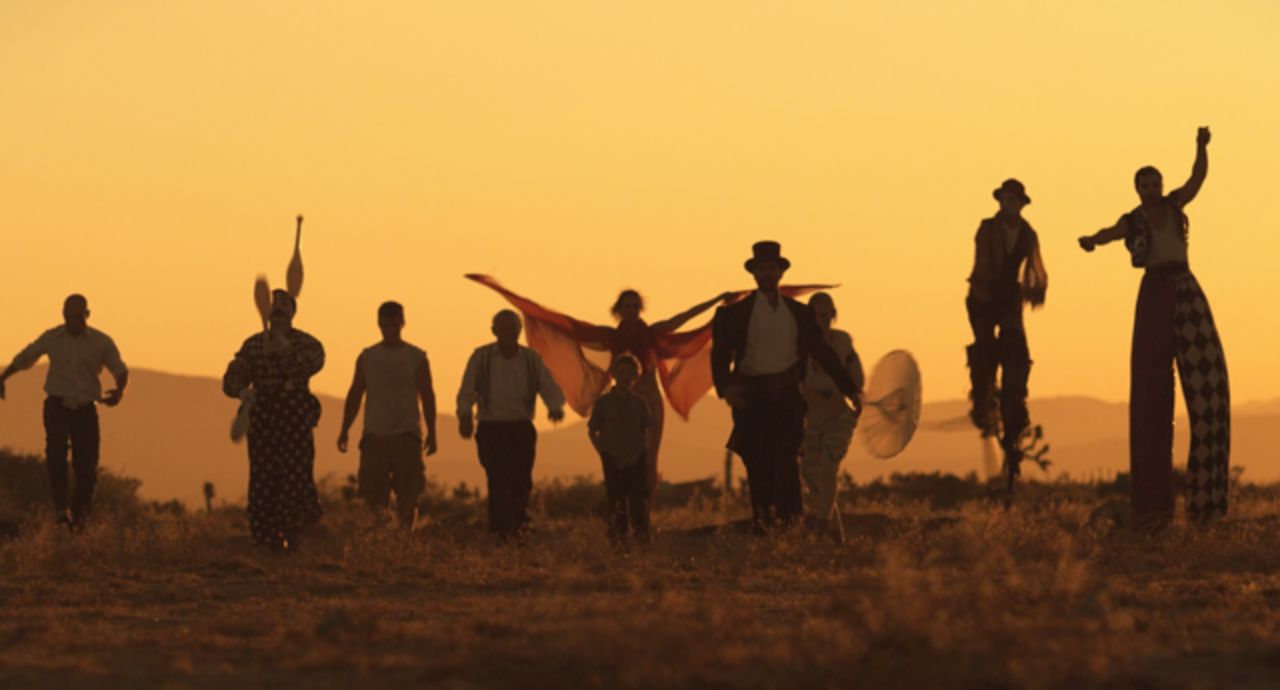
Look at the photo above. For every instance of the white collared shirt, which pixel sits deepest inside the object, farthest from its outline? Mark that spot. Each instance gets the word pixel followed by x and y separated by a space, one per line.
pixel 74 363
pixel 771 338
pixel 509 391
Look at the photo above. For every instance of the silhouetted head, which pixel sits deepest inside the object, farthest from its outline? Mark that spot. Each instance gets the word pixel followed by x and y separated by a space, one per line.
pixel 767 264
pixel 1149 183
pixel 824 309
pixel 1012 196
pixel 390 320
pixel 625 370
pixel 75 313
pixel 283 309
pixel 506 328
pixel 628 306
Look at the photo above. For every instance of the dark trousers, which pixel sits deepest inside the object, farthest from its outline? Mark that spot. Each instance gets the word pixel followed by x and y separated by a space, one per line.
pixel 767 433
pixel 628 491
pixel 1173 324
pixel 79 429
pixel 1000 341
pixel 507 451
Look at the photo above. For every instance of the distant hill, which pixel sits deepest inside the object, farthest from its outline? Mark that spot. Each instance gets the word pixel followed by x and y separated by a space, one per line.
pixel 171 432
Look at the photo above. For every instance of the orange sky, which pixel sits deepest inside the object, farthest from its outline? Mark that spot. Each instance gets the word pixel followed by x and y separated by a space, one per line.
pixel 154 154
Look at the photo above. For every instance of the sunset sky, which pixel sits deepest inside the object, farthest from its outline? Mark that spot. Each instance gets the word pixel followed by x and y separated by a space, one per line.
pixel 155 153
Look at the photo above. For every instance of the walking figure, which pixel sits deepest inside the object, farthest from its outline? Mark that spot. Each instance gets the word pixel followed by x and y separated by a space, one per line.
pixel 503 380
pixel 396 376
pixel 618 429
pixel 77 354
pixel 760 351
pixel 274 368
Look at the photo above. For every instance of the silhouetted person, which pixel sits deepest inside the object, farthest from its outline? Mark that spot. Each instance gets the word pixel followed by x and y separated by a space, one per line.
pixel 830 420
pixel 275 369
pixel 760 352
pixel 77 354
pixel 618 429
pixel 1008 271
pixel 1172 323
pixel 504 379
pixel 396 375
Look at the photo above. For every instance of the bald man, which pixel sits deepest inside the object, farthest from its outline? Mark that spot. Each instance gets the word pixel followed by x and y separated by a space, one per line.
pixel 77 355
pixel 504 379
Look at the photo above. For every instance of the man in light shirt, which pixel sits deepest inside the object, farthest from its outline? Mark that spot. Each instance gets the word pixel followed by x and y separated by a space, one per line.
pixel 760 348
pixel 77 354
pixel 397 377
pixel 504 379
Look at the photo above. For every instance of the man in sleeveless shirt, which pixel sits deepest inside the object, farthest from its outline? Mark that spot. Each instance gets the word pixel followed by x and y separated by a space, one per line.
pixel 504 379
pixel 396 377
pixel 1008 272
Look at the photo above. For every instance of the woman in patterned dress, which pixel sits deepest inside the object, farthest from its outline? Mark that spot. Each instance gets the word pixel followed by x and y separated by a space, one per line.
pixel 272 371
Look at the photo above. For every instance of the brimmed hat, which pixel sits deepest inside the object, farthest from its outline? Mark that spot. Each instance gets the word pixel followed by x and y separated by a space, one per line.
pixel 1012 186
pixel 767 250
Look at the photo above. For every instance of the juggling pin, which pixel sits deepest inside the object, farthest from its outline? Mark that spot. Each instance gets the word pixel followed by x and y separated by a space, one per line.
pixel 262 298
pixel 293 278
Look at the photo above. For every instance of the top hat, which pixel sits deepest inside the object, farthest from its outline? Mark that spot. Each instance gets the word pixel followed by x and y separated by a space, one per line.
pixel 1012 186
pixel 767 250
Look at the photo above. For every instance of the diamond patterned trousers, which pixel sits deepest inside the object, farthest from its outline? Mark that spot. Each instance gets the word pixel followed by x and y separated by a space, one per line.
pixel 1173 324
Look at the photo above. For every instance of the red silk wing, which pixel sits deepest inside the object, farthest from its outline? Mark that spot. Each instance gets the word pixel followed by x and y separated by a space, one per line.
pixel 560 340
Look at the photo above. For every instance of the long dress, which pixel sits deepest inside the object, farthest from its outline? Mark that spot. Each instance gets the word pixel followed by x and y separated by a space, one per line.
pixel 675 363
pixel 282 489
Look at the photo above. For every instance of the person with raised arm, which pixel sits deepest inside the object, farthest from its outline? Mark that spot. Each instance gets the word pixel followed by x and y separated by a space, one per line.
pixel 1172 323
pixel 77 354
pixel 274 368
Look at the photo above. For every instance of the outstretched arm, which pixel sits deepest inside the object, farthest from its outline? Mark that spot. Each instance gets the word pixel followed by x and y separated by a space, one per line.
pixel 1106 235
pixel 683 317
pixel 1184 194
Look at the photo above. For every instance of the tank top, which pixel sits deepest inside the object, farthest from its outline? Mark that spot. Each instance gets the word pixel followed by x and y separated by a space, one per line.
pixel 390 375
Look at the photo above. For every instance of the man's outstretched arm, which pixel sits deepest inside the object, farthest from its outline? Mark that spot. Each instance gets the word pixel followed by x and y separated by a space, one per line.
pixel 1184 194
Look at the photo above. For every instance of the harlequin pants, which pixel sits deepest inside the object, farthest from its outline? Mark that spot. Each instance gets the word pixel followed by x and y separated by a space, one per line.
pixel 1173 324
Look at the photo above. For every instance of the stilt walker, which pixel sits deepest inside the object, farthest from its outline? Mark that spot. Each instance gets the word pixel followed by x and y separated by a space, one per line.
pixel 1172 324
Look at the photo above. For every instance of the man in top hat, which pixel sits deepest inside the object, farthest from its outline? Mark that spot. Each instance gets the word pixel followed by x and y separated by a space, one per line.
pixel 760 351
pixel 1008 271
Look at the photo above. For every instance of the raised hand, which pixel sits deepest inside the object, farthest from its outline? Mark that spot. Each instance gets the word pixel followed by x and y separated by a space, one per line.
pixel 1202 136
pixel 1087 243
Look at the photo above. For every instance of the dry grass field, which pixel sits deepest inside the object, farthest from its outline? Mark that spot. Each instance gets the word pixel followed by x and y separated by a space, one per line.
pixel 928 592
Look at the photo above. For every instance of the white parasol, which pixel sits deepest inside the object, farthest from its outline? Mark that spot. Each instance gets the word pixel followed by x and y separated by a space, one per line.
pixel 891 405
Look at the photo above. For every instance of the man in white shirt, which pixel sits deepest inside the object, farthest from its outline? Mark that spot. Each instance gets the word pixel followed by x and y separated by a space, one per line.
pixel 396 375
pixel 77 354
pixel 504 379
pixel 760 348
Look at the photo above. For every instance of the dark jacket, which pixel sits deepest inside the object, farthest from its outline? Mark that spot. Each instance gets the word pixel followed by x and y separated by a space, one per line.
pixel 729 345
